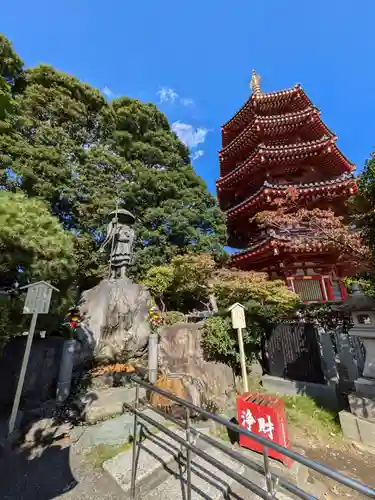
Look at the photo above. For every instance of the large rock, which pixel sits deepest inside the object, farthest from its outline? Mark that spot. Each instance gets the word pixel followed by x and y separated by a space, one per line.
pixel 208 384
pixel 115 322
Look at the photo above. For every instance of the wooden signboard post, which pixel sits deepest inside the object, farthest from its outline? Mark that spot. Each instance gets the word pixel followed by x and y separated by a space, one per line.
pixel 37 301
pixel 238 323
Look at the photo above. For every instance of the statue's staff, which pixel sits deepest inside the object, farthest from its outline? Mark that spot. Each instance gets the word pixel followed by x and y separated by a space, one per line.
pixel 114 220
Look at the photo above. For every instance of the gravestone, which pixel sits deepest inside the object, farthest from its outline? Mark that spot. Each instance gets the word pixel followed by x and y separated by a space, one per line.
pixel 359 423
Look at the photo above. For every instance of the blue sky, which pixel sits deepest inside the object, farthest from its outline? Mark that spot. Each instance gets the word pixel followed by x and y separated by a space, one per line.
pixel 196 57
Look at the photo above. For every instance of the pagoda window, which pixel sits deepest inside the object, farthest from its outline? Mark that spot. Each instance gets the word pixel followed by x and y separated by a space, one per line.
pixel 309 290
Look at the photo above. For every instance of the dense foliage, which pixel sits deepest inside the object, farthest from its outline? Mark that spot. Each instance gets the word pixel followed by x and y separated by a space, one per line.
pixel 184 283
pixel 264 301
pixel 67 145
pixel 193 280
pixel 10 68
pixel 62 143
pixel 32 240
pixel 323 229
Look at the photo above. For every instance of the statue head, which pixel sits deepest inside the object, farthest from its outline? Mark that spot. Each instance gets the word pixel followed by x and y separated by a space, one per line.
pixel 122 216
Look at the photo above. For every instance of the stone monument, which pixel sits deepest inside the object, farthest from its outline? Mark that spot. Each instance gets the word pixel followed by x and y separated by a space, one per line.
pixel 115 322
pixel 359 423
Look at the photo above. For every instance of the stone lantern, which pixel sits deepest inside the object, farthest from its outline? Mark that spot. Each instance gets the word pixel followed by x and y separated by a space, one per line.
pixel 359 423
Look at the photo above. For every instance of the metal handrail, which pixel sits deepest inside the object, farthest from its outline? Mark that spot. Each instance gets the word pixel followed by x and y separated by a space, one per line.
pixel 270 477
pixel 233 454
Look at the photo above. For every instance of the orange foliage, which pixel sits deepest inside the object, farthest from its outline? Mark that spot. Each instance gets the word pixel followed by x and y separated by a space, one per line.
pixel 303 227
pixel 115 368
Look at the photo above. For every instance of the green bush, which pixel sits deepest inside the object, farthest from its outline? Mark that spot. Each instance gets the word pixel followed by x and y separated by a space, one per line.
pixel 173 317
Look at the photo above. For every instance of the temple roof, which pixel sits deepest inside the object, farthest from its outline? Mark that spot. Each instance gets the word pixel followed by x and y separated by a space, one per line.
pixel 277 245
pixel 274 126
pixel 277 101
pixel 288 155
pixel 269 191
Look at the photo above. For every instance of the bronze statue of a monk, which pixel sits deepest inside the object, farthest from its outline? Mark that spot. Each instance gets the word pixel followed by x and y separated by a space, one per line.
pixel 119 242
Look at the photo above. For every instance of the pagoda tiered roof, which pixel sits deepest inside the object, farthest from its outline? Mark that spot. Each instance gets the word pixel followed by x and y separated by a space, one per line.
pixel 272 127
pixel 293 99
pixel 342 186
pixel 275 247
pixel 290 155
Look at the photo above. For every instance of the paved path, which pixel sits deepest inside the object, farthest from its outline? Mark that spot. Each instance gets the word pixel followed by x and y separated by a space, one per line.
pixel 53 472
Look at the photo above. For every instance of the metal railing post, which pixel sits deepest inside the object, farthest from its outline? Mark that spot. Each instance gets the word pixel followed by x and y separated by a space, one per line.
pixel 135 442
pixel 188 454
pixel 267 472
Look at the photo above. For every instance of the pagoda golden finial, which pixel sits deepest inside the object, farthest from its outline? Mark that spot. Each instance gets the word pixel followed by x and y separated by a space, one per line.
pixel 255 83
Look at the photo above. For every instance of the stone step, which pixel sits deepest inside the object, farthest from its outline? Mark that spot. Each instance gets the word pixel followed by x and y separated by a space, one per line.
pixel 161 472
pixel 157 454
pixel 207 481
pixel 104 404
pixel 113 432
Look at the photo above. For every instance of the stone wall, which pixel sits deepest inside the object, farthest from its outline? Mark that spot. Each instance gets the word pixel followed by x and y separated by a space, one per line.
pixel 41 375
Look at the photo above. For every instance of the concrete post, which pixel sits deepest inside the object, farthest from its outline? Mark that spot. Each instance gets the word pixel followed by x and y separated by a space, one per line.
pixel 153 357
pixel 66 369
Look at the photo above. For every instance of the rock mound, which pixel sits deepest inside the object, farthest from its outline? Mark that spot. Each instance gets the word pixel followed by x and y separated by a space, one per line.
pixel 207 383
pixel 115 319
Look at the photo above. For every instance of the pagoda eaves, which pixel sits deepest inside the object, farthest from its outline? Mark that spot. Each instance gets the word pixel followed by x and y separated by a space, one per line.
pixel 342 186
pixel 289 155
pixel 271 127
pixel 274 101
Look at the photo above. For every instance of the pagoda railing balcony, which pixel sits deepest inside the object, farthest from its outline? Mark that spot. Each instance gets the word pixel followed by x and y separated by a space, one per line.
pixel 297 230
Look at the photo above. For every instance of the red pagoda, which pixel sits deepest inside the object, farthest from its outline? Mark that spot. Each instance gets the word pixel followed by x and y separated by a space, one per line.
pixel 276 143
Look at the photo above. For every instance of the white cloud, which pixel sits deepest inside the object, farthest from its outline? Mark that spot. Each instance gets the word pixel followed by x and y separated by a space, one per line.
pixel 187 101
pixel 167 94
pixel 189 135
pixel 197 154
pixel 108 92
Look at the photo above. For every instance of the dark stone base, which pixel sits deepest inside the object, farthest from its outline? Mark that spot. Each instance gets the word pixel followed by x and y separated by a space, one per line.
pixel 362 407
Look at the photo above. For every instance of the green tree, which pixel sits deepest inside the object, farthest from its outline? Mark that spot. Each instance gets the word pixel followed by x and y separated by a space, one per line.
pixel 159 281
pixel 10 68
pixel 184 283
pixel 363 204
pixel 176 213
pixel 84 156
pixel 140 132
pixel 362 214
pixel 190 280
pixel 33 244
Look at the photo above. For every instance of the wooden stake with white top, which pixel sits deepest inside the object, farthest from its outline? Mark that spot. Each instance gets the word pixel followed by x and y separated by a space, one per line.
pixel 238 323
